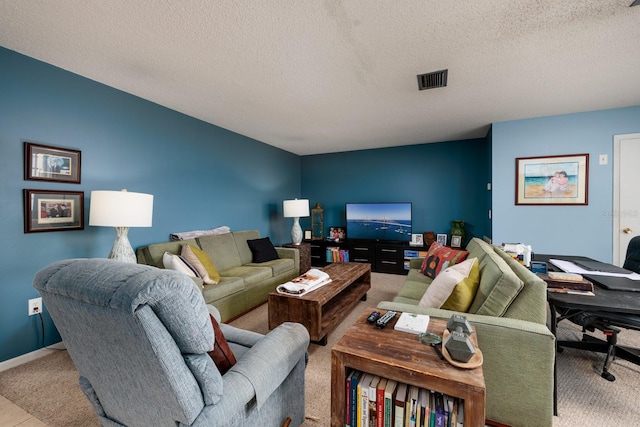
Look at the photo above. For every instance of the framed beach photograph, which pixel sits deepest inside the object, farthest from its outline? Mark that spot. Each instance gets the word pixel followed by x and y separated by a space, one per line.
pixel 45 163
pixel 552 180
pixel 48 210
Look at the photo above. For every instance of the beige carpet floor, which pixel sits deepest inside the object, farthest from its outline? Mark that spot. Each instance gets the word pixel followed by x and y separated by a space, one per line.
pixel 47 388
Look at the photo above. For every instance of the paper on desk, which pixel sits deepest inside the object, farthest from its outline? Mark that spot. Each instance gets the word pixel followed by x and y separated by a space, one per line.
pixel 569 267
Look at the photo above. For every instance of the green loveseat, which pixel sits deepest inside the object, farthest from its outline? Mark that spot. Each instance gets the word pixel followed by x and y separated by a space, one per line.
pixel 509 313
pixel 243 284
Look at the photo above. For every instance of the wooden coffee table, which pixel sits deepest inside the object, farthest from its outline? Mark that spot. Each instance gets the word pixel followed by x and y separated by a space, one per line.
pixel 401 357
pixel 322 309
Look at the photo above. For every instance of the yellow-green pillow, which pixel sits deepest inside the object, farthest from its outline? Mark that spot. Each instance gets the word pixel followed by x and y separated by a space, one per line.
pixel 202 263
pixel 465 291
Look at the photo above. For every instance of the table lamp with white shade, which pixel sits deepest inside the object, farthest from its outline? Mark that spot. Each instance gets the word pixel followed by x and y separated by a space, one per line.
pixel 121 209
pixel 296 209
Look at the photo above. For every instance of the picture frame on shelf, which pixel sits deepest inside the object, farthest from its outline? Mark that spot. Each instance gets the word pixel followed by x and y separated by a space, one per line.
pixel 48 163
pixel 416 240
pixel 52 210
pixel 552 180
pixel 337 234
pixel 442 239
pixel 307 234
pixel 456 241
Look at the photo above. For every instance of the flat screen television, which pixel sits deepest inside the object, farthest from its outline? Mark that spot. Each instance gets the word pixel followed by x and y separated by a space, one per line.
pixel 378 221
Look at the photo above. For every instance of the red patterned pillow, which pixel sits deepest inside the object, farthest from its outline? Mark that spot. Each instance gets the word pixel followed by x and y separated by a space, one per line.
pixel 440 257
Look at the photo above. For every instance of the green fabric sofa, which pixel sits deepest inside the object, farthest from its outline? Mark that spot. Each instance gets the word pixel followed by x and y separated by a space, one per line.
pixel 509 313
pixel 243 284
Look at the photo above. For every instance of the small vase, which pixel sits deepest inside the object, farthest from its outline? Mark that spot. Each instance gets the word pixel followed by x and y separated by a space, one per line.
pixel 458 230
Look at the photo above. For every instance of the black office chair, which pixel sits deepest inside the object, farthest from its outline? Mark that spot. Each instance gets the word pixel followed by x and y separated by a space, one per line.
pixel 610 323
pixel 632 260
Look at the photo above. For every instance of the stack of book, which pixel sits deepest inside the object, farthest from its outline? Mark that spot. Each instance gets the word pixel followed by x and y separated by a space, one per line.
pixel 374 401
pixel 336 254
pixel 567 283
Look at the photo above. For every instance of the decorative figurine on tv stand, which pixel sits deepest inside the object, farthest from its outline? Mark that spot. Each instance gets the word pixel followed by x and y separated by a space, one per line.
pixel 429 237
pixel 317 222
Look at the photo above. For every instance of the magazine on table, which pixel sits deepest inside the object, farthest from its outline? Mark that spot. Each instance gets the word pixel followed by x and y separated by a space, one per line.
pixel 304 283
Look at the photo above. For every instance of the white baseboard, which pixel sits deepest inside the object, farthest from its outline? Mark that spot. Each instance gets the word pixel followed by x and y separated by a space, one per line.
pixel 17 361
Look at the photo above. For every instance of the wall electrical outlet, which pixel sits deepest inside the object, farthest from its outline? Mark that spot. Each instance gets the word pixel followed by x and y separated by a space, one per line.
pixel 35 306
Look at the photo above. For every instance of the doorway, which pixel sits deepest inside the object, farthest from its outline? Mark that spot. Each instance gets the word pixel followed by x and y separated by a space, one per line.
pixel 626 193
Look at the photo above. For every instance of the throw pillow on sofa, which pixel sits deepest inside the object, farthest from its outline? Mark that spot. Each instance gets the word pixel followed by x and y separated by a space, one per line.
pixel 262 250
pixel 498 287
pixel 202 263
pixel 178 263
pixel 464 292
pixel 439 258
pixel 454 288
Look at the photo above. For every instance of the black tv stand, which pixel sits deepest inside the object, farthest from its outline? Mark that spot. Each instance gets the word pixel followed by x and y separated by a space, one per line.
pixel 384 256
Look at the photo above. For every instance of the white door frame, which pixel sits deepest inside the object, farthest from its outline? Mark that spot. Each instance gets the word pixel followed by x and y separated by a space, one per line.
pixel 617 140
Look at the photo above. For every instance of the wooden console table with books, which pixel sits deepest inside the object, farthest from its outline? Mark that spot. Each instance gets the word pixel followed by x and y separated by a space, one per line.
pixel 322 309
pixel 401 357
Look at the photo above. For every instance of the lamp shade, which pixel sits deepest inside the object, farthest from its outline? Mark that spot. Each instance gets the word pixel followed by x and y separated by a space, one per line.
pixel 297 208
pixel 121 209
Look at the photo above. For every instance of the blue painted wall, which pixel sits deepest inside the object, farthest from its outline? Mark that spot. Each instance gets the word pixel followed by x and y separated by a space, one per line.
pixel 574 230
pixel 444 181
pixel 202 176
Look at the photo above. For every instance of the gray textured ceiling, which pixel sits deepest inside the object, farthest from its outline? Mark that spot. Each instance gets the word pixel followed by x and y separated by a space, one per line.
pixel 313 76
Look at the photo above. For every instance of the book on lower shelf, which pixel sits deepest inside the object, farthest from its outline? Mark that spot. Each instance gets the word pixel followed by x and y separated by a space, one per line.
pixel 375 401
pixel 337 254
pixel 307 282
pixel 412 323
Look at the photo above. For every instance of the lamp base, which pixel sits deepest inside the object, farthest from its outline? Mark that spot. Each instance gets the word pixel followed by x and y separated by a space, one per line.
pixel 296 232
pixel 122 250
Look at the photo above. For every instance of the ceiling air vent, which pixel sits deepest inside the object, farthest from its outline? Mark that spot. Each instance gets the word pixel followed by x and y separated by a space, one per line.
pixel 432 80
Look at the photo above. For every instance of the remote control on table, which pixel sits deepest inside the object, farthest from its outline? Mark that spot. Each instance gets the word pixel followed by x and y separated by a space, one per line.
pixel 373 317
pixel 385 319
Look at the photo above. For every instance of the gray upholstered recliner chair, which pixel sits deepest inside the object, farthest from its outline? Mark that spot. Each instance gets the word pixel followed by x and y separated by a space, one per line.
pixel 632 259
pixel 139 337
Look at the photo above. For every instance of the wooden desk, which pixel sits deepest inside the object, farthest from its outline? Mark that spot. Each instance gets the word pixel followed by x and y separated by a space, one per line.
pixel 400 356
pixel 607 307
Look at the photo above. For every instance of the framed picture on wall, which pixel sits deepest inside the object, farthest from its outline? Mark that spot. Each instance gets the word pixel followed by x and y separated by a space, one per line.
pixel 48 210
pixel 552 180
pixel 45 163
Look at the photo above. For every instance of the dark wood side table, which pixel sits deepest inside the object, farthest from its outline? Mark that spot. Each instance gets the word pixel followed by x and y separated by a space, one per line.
pixel 305 255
